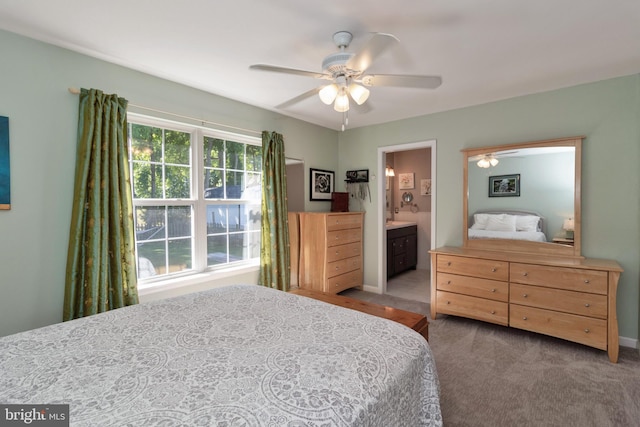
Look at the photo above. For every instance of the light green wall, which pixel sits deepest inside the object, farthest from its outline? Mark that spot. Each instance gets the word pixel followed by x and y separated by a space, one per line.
pixel 43 121
pixel 607 113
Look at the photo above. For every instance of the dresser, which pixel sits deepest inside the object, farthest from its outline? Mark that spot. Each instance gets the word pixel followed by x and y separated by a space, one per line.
pixel 330 258
pixel 569 298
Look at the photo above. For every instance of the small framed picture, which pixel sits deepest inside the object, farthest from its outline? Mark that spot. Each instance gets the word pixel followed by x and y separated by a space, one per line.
pixel 504 185
pixel 321 184
pixel 405 181
pixel 425 187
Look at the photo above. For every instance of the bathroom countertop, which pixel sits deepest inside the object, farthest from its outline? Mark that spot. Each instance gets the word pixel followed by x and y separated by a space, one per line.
pixel 399 224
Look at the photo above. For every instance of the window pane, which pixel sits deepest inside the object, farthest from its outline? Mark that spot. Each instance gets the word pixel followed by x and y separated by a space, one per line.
pixel 254 213
pixel 253 189
pixel 235 187
pixel 213 184
pixel 235 155
pixel 179 221
pixel 254 158
pixel 147 181
pixel 151 259
pixel 213 152
pixel 217 249
pixel 216 219
pixel 178 182
pixel 179 255
pixel 146 143
pixel 177 147
pixel 150 223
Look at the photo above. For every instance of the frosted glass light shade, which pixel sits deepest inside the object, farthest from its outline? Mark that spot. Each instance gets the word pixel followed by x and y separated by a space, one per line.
pixel 328 93
pixel 359 93
pixel 342 103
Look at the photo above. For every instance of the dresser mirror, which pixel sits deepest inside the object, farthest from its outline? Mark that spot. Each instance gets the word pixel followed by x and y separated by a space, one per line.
pixel 524 197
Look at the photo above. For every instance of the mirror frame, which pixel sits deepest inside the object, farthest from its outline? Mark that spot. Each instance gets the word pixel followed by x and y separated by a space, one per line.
pixel 537 248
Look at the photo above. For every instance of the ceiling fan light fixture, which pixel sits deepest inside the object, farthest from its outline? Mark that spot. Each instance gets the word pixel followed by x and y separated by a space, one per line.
pixel 342 102
pixel 328 93
pixel 484 163
pixel 359 93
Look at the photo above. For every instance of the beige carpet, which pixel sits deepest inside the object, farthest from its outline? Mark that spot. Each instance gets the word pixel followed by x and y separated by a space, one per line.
pixel 496 376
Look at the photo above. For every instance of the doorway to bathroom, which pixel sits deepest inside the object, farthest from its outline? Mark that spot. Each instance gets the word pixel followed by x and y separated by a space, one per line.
pixel 407 214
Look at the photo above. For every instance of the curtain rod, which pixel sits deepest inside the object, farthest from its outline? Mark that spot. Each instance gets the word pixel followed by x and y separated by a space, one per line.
pixel 76 91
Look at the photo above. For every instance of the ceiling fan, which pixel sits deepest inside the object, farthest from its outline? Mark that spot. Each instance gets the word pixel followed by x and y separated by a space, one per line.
pixel 346 73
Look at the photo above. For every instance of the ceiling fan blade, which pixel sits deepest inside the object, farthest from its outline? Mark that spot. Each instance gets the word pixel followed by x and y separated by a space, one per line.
pixel 379 43
pixel 273 68
pixel 424 82
pixel 299 98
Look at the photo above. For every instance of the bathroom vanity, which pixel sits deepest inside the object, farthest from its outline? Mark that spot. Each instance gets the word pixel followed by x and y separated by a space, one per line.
pixel 402 247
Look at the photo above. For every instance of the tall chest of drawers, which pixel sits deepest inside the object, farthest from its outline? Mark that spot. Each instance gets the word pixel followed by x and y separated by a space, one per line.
pixel 572 299
pixel 330 251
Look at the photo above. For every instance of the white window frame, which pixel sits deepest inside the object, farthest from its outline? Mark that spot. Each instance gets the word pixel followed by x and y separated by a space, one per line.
pixel 198 203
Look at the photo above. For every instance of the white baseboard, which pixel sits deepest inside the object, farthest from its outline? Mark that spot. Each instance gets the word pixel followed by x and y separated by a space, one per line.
pixel 628 342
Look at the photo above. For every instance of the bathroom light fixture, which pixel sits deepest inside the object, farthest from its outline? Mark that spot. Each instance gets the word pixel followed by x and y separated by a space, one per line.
pixel 388 171
pixel 487 161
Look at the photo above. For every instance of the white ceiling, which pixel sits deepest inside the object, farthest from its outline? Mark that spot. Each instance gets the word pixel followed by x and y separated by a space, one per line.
pixel 484 50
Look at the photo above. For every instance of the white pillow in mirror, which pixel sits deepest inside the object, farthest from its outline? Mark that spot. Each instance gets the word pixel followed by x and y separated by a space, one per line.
pixel 480 221
pixel 501 222
pixel 527 223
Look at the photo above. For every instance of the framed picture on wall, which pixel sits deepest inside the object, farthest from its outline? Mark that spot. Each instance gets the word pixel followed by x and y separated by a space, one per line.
pixel 405 181
pixel 504 185
pixel 321 184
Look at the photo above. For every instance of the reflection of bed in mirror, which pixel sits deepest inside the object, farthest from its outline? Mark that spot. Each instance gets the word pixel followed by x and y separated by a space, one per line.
pixel 507 224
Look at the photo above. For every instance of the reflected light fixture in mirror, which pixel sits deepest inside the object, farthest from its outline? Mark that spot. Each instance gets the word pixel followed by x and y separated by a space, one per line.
pixel 487 161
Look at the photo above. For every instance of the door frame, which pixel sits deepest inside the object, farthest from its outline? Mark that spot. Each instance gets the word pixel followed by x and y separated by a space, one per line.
pixel 382 217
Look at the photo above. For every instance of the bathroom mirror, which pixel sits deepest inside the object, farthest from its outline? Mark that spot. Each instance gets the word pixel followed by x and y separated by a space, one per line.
pixel 524 197
pixel 407 197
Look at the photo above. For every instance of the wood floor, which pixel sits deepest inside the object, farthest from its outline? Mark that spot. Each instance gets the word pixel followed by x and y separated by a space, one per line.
pixel 413 285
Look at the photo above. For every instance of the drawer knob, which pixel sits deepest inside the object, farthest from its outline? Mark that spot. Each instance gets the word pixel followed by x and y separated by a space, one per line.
pixel 525 274
pixel 448 263
pixel 337 268
pixel 448 302
pixel 493 312
pixel 524 318
pixel 587 305
pixel 493 270
pixel 586 331
pixel 493 290
pixel 448 282
pixel 524 295
pixel 586 281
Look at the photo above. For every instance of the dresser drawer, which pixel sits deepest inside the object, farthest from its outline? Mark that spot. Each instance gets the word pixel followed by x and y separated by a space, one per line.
pixel 592 305
pixel 483 288
pixel 336 253
pixel 344 281
pixel 580 329
pixel 484 268
pixel 343 221
pixel 342 266
pixel 341 237
pixel 473 307
pixel 573 279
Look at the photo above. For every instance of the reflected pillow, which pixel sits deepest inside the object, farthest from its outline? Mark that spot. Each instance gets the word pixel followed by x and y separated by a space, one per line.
pixel 527 223
pixel 501 222
pixel 480 221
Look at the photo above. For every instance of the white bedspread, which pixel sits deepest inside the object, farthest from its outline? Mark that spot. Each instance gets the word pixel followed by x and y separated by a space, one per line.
pixel 533 236
pixel 236 356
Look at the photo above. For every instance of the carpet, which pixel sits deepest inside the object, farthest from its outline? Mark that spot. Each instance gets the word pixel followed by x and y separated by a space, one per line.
pixel 492 375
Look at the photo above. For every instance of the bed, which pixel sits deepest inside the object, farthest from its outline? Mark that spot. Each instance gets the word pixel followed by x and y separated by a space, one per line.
pixel 242 355
pixel 507 224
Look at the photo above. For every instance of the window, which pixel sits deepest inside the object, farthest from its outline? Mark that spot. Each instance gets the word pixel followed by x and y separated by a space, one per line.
pixel 196 195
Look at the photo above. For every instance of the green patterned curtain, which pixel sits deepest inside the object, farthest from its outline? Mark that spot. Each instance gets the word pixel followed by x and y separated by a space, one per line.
pixel 101 272
pixel 274 239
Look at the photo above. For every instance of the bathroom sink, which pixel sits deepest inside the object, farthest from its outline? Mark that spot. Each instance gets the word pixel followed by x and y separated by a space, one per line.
pixel 398 224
